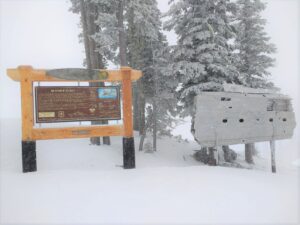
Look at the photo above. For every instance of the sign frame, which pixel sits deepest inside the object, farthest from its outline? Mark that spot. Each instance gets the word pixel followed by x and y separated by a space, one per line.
pixel 26 75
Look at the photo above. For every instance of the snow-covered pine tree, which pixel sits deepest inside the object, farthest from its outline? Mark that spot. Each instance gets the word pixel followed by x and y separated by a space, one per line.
pixel 142 20
pixel 94 59
pixel 253 45
pixel 96 17
pixel 162 98
pixel 146 50
pixel 253 51
pixel 202 59
pixel 144 26
pixel 106 37
pixel 145 45
pixel 106 19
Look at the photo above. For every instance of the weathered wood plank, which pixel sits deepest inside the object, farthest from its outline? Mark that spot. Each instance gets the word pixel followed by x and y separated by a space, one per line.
pixel 27 104
pixel 77 132
pixel 40 75
pixel 233 118
pixel 127 102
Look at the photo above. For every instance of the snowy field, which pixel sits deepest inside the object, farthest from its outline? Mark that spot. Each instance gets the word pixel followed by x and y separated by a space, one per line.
pixel 81 184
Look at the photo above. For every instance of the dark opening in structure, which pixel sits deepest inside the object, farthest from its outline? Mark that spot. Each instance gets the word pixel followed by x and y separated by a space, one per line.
pixel 225 99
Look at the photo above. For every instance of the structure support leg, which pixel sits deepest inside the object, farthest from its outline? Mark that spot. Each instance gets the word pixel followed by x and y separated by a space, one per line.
pixel 273 162
pixel 128 153
pixel 29 156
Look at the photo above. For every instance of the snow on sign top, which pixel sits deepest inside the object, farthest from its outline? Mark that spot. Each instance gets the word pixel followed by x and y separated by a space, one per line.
pixel 224 118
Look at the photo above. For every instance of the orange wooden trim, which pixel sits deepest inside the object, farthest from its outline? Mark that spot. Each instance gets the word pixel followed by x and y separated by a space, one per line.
pixel 40 75
pixel 127 101
pixel 77 132
pixel 14 74
pixel 27 104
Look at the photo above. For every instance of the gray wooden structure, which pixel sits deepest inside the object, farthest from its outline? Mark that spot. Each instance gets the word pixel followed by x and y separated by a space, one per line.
pixel 226 118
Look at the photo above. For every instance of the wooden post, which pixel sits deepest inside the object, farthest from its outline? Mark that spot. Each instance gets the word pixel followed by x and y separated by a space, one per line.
pixel 273 162
pixel 28 144
pixel 128 140
pixel 249 149
pixel 29 156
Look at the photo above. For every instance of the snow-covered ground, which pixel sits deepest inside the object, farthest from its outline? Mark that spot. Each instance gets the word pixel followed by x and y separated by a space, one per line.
pixel 79 183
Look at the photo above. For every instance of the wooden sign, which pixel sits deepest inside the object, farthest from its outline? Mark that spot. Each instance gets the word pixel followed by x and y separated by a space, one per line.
pixel 57 104
pixel 67 104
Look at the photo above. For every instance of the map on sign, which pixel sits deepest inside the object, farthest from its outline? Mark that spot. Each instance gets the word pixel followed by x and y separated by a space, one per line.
pixel 69 104
pixel 107 93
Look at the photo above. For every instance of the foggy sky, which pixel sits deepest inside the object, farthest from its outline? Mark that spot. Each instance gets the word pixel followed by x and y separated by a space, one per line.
pixel 44 34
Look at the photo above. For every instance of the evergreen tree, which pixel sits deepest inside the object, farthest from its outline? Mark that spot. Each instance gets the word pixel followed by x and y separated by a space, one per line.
pixel 252 45
pixel 143 30
pixel 147 48
pixel 253 51
pixel 94 59
pixel 202 59
pixel 107 36
pixel 139 23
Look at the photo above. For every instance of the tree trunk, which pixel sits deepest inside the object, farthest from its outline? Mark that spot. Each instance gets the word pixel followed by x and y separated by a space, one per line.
pixel 249 150
pixel 206 155
pixel 136 109
pixel 93 59
pixel 144 133
pixel 122 37
pixel 225 149
pixel 154 121
pixel 212 160
pixel 132 60
pixel 85 20
pixel 141 145
pixel 83 12
pixel 229 154
pixel 141 106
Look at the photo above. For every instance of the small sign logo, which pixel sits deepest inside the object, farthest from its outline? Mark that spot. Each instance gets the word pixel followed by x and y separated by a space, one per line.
pixel 103 75
pixel 46 114
pixel 107 93
pixel 61 114
pixel 92 108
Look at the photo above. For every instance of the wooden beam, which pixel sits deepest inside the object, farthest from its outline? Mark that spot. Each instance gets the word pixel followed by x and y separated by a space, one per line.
pixel 127 102
pixel 77 132
pixel 27 103
pixel 40 75
pixel 14 74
